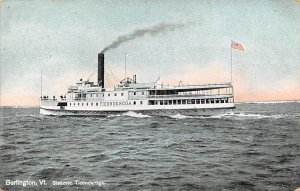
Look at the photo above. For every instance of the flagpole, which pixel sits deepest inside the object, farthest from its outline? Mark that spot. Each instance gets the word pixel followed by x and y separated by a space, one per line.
pixel 231 64
pixel 41 83
pixel 125 64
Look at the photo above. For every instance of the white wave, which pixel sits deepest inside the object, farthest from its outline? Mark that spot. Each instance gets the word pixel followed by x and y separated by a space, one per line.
pixel 226 115
pixel 237 140
pixel 134 114
pixel 253 115
pixel 1 141
pixel 114 115
pixel 279 116
pixel 221 115
pixel 179 116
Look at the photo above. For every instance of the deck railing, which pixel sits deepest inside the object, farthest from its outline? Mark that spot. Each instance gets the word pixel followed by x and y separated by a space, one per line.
pixel 157 96
pixel 167 86
pixel 53 99
pixel 190 95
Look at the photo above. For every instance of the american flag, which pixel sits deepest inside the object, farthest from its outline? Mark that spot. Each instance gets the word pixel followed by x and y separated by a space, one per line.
pixel 236 45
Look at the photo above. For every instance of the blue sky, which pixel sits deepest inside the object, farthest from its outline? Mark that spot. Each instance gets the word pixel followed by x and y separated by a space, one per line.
pixel 63 39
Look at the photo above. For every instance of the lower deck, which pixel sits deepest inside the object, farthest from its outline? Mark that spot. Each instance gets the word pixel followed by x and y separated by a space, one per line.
pixel 135 103
pixel 156 112
pixel 187 106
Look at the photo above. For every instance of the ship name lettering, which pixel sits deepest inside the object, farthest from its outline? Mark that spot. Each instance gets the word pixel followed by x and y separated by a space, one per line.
pixel 118 103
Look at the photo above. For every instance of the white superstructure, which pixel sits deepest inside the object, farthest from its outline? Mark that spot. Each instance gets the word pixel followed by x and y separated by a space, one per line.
pixel 86 98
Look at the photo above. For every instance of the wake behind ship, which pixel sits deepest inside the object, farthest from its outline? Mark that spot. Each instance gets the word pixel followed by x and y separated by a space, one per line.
pixel 87 98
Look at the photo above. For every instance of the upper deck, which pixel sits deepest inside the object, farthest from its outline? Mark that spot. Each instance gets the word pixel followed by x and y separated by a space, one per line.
pixel 182 88
pixel 86 91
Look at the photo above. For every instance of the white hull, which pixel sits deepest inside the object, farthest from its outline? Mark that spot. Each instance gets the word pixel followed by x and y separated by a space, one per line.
pixel 156 112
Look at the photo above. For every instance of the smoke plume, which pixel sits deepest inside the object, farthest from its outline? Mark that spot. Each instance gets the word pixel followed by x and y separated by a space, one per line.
pixel 153 30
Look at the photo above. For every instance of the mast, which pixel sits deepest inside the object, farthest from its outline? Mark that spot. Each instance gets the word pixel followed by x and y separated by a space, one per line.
pixel 231 64
pixel 234 45
pixel 125 65
pixel 41 83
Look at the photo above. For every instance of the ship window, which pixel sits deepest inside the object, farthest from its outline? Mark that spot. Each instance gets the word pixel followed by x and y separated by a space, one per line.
pixel 108 95
pixel 207 101
pixel 179 102
pixel 193 101
pixel 212 101
pixel 115 94
pixel 82 104
pixel 161 102
pixel 122 94
pixel 189 101
pixel 202 101
pixel 91 104
pixel 174 102
pixel 226 100
pixel 141 102
pixel 170 102
pixel 70 104
pixel 134 93
pixel 134 103
pixel 184 101
pixel 96 104
pixel 217 100
pixel 74 104
pixel 197 101
pixel 222 100
pixel 87 104
pixel 78 104
pixel 143 93
pixel 166 102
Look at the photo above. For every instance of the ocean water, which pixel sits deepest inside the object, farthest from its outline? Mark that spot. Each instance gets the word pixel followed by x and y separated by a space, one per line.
pixel 256 147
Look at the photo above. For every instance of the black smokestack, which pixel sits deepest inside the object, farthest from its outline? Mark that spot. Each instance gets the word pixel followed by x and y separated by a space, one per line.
pixel 101 69
pixel 153 30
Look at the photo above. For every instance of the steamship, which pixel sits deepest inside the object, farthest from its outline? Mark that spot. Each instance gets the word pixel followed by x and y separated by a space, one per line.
pixel 85 98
